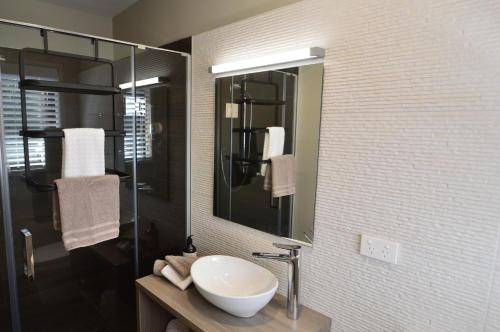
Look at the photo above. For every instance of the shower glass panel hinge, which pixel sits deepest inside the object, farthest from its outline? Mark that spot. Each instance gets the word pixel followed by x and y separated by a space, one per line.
pixel 29 260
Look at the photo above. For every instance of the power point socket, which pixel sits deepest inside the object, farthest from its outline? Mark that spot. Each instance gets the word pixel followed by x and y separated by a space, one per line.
pixel 380 249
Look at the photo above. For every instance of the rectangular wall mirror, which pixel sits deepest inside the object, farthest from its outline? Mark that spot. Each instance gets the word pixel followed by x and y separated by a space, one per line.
pixel 247 106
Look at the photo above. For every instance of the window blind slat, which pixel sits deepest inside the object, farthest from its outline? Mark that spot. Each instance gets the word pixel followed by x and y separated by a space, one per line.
pixel 42 109
pixel 143 140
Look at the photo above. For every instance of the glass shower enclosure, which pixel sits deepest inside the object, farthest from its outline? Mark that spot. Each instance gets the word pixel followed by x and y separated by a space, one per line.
pixel 52 79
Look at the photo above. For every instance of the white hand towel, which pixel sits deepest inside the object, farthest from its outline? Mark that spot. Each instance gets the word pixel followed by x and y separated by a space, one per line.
pixel 274 142
pixel 172 276
pixel 82 152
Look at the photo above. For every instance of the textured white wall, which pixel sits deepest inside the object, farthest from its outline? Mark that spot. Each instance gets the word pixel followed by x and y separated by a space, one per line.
pixel 410 151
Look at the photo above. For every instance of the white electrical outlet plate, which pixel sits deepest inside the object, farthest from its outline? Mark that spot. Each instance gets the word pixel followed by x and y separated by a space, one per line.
pixel 380 249
pixel 231 111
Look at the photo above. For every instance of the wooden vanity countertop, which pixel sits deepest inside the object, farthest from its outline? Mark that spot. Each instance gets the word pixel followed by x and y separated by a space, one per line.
pixel 199 315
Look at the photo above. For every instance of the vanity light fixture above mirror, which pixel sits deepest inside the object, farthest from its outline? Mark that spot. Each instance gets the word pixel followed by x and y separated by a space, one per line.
pixel 270 60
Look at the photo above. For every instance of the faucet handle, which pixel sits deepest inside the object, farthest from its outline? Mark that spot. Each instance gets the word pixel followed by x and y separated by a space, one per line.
pixel 287 246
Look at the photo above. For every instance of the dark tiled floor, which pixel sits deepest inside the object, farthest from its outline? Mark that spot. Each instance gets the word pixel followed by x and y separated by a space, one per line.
pixel 65 298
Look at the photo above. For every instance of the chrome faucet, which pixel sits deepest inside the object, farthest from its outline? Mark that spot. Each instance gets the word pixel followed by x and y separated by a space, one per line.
pixel 293 306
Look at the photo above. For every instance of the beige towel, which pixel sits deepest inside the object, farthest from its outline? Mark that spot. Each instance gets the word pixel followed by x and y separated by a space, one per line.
pixel 158 266
pixel 280 178
pixel 181 264
pixel 89 210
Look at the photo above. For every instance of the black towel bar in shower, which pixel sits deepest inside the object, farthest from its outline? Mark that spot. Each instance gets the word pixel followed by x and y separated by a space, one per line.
pixel 251 161
pixel 56 133
pixel 264 102
pixel 251 130
pixel 45 187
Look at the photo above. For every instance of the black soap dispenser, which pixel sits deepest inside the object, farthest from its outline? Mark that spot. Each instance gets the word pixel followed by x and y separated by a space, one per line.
pixel 189 250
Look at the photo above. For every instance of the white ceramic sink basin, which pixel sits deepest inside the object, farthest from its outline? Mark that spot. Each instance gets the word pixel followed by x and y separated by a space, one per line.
pixel 235 285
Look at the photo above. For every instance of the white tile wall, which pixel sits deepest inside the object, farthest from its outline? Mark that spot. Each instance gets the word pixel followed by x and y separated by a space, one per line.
pixel 410 151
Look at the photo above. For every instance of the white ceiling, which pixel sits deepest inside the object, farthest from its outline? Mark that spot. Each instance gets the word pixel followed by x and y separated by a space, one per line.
pixel 108 8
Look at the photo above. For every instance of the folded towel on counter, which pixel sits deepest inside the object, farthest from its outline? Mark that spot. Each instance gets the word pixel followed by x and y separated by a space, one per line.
pixel 280 178
pixel 172 276
pixel 158 266
pixel 181 264
pixel 88 210
pixel 176 325
pixel 82 152
pixel 274 142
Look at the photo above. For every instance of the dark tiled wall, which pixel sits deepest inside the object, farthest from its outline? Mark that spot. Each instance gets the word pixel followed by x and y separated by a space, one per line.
pixel 162 209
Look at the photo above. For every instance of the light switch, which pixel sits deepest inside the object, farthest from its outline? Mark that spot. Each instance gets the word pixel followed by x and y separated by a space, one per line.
pixel 231 111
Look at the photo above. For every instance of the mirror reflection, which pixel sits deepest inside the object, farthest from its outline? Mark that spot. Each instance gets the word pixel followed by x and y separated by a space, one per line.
pixel 266 150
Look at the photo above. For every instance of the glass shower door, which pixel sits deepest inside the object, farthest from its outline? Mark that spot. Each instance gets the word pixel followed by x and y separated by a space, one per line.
pixel 147 136
pixel 85 289
pixel 5 321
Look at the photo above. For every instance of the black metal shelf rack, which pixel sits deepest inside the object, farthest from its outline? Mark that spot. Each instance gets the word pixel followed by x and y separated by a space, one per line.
pixel 43 85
